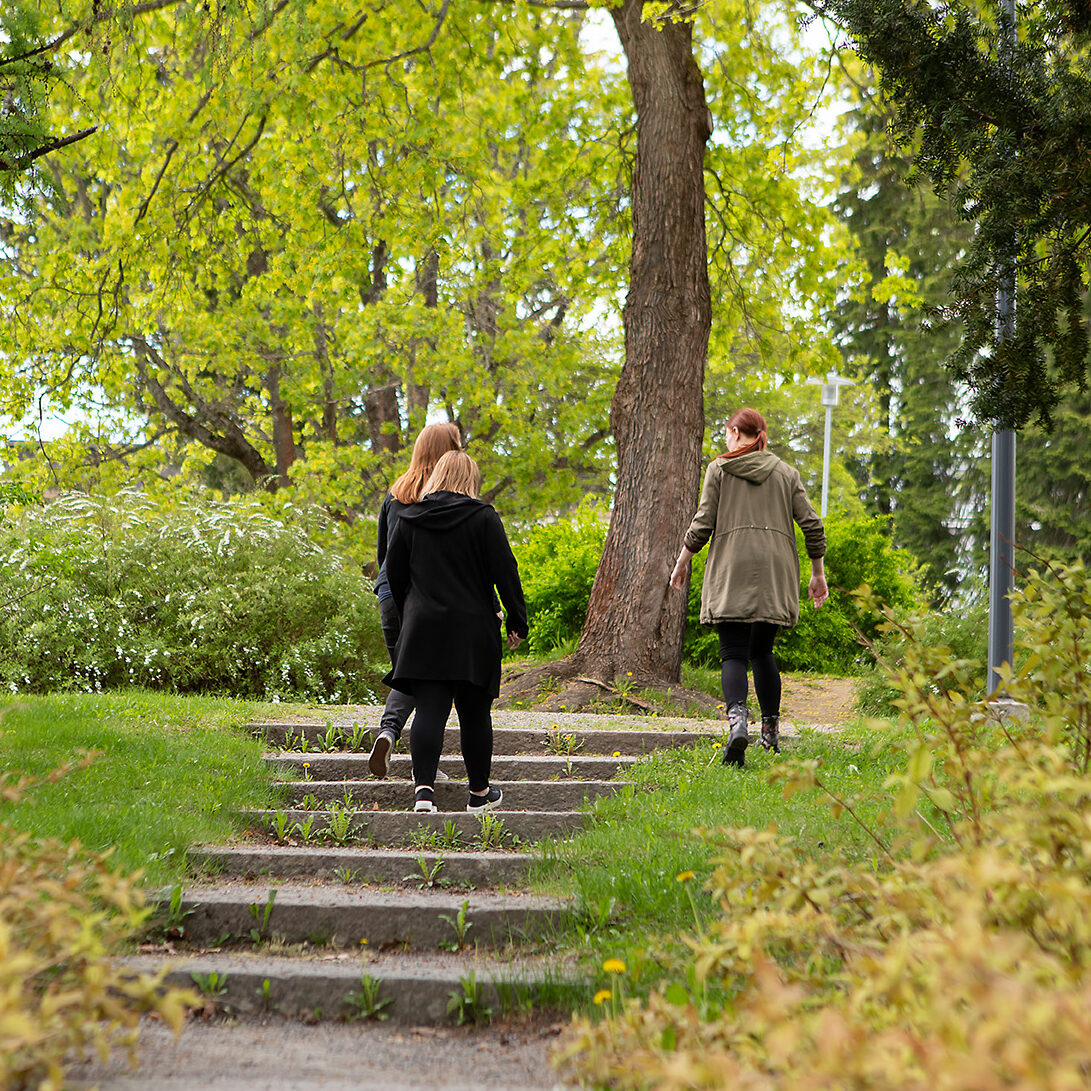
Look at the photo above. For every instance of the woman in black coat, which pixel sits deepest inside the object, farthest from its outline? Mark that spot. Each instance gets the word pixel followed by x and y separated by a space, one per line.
pixel 445 563
pixel 434 441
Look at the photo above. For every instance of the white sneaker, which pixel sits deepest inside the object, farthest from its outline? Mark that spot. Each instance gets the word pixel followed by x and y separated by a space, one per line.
pixel 425 804
pixel 490 800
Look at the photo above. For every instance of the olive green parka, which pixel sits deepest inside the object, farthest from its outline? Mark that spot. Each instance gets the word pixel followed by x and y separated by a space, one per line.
pixel 748 505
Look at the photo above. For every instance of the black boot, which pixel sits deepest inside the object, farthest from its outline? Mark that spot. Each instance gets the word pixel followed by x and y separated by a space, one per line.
pixel 738 738
pixel 770 733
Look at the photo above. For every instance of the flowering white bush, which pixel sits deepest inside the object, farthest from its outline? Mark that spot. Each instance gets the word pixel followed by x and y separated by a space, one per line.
pixel 210 597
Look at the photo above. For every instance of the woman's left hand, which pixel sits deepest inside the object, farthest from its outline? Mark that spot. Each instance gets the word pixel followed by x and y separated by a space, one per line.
pixel 514 640
pixel 818 591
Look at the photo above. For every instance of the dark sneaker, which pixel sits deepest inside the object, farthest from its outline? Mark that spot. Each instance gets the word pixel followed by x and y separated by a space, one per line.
pixel 424 801
pixel 379 760
pixel 489 801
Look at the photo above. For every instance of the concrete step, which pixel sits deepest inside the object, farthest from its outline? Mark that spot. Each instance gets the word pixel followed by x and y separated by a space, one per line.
pixel 352 865
pixel 451 795
pixel 442 830
pixel 419 988
pixel 519 740
pixel 336 915
pixel 505 767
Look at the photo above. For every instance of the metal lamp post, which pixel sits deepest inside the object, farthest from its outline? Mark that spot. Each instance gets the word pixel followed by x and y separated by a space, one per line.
pixel 831 390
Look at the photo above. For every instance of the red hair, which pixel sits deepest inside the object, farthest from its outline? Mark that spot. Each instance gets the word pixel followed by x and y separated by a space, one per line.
pixel 749 422
pixel 434 441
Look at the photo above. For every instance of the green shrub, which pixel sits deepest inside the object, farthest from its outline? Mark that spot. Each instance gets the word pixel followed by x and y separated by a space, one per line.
pixel 557 563
pixel 961 631
pixel 858 552
pixel 958 956
pixel 203 597
pixel 63 913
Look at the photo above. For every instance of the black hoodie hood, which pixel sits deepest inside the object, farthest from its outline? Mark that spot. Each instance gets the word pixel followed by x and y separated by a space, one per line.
pixel 442 510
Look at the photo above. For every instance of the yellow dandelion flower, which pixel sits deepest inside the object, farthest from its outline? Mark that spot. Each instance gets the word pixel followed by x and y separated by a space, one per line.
pixel 684 876
pixel 602 996
pixel 617 753
pixel 363 941
pixel 628 674
pixel 717 745
pixel 614 966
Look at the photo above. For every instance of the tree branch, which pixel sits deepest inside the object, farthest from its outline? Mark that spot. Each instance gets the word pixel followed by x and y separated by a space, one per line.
pixel 53 145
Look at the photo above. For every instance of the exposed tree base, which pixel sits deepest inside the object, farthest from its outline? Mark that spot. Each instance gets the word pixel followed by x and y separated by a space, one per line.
pixel 564 686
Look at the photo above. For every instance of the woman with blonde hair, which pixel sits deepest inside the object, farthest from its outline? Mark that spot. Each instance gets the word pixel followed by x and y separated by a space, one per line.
pixel 749 503
pixel 434 441
pixel 447 560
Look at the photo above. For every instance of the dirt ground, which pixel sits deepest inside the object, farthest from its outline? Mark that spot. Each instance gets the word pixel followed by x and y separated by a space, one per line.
pixel 816 699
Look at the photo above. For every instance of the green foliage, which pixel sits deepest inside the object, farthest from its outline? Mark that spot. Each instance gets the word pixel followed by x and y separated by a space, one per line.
pixel 64 913
pixel 958 954
pixel 172 772
pixel 557 563
pixel 907 241
pixel 204 597
pixel 858 552
pixel 959 630
pixel 1003 128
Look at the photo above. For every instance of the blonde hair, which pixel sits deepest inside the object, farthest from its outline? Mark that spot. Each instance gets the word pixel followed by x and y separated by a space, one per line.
pixel 434 441
pixel 455 472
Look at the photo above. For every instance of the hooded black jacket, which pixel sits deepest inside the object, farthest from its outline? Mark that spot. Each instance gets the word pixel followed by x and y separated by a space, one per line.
pixel 444 559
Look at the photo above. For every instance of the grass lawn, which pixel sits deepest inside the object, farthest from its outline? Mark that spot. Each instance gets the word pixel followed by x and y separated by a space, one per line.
pixel 623 872
pixel 171 773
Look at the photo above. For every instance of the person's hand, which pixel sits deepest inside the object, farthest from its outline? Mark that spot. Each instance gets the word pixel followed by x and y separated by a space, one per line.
pixel 678 577
pixel 818 591
pixel 514 640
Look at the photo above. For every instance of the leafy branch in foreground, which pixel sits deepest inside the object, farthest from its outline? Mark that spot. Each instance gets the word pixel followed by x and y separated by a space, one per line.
pixel 59 993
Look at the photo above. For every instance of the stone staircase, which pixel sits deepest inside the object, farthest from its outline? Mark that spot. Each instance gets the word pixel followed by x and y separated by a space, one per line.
pixel 346 904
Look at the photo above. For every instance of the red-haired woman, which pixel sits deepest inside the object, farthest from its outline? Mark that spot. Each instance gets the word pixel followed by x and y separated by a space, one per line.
pixel 432 444
pixel 749 502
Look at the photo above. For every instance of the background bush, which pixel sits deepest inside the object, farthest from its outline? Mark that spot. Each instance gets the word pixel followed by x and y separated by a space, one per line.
pixel 206 597
pixel 557 563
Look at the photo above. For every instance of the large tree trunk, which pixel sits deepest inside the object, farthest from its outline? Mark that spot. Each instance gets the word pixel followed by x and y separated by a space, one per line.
pixel 634 622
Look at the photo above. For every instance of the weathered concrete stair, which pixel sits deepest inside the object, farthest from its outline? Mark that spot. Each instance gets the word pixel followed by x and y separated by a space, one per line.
pixel 334 914
pixel 371 899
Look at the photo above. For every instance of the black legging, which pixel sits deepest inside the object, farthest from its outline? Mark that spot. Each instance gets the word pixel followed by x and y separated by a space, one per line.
pixel 474 706
pixel 743 643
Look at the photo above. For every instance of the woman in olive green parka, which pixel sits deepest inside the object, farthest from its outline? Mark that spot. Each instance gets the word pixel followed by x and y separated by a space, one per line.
pixel 749 503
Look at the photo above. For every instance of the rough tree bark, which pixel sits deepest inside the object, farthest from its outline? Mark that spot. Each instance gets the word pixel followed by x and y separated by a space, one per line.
pixel 634 622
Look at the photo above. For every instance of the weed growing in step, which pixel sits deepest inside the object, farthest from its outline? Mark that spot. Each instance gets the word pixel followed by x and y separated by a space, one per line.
pixel 366 1003
pixel 427 875
pixel 261 914
pixel 461 924
pixel 468 1004
pixel 492 832
pixel 561 742
pixel 211 985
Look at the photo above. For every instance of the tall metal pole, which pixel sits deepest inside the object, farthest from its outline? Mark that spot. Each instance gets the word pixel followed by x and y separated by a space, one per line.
pixel 1002 515
pixel 826 462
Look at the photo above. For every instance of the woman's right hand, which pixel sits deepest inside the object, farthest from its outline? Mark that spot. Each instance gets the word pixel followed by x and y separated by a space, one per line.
pixel 681 570
pixel 818 591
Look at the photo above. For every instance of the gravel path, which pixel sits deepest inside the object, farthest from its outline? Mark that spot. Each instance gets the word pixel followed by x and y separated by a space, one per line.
pixel 279 1055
